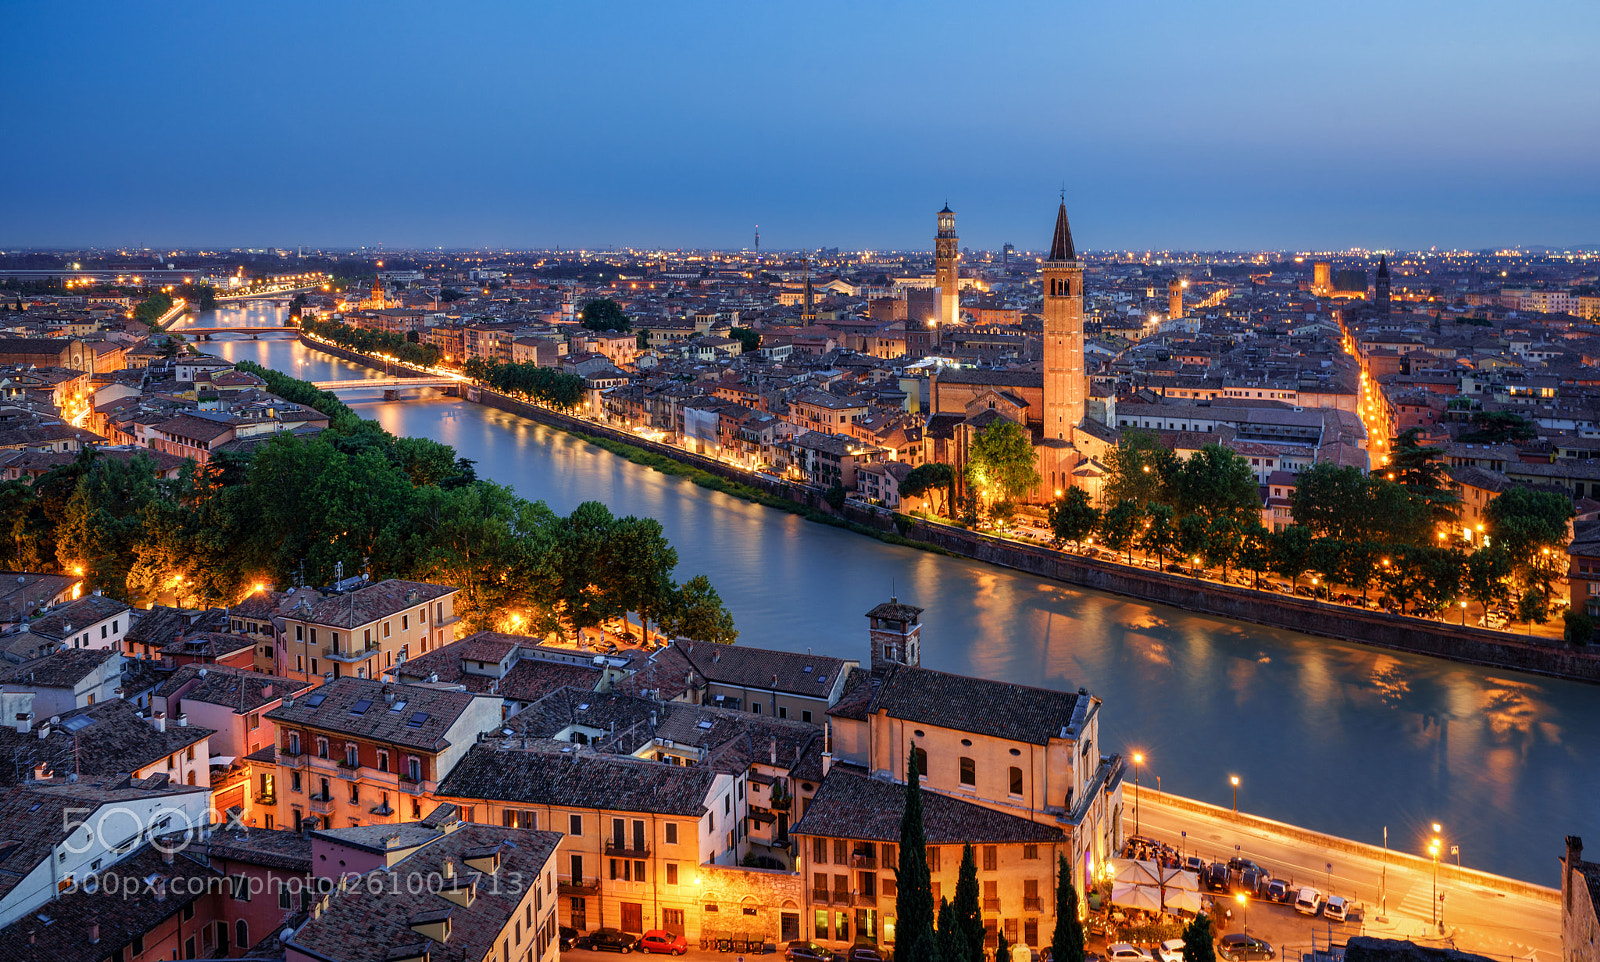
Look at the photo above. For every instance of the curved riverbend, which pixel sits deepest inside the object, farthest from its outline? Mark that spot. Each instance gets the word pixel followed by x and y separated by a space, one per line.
pixel 1329 735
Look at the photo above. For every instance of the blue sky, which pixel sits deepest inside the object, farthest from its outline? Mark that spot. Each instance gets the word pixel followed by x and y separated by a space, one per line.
pixel 1175 125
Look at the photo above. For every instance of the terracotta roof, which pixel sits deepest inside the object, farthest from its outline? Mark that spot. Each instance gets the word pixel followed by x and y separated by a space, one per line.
pixel 61 669
pixel 75 616
pixel 101 739
pixel 978 705
pixel 281 849
pixel 848 804
pixel 360 926
pixel 422 723
pixel 366 605
pixel 233 688
pixel 558 773
pixel 809 675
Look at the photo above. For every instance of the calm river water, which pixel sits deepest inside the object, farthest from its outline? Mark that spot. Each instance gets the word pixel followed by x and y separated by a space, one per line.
pixel 1328 735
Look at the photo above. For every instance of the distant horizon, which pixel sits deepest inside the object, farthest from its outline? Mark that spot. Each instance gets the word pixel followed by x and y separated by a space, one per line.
pixel 1243 125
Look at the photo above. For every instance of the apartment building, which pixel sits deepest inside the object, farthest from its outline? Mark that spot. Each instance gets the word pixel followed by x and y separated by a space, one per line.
pixel 634 832
pixel 362 632
pixel 361 752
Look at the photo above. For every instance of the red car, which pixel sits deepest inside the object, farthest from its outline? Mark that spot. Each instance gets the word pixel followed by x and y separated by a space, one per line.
pixel 660 941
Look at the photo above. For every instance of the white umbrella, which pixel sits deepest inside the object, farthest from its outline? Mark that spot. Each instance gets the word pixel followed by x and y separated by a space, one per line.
pixel 1135 896
pixel 1177 878
pixel 1183 900
pixel 1134 872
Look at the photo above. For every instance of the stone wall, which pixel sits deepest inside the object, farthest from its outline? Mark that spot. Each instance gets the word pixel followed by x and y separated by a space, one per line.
pixel 738 892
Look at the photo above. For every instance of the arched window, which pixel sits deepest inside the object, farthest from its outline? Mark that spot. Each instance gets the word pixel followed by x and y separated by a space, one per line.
pixel 969 771
pixel 241 934
pixel 1016 780
pixel 922 761
pixel 191 776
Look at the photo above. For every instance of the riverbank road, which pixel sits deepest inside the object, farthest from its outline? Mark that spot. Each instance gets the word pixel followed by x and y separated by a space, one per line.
pixel 1485 914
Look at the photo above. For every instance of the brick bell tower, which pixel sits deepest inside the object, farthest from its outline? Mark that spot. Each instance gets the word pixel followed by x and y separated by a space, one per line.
pixel 896 633
pixel 1065 386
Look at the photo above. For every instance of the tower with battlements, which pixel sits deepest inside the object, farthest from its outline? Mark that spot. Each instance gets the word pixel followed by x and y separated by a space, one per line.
pixel 947 271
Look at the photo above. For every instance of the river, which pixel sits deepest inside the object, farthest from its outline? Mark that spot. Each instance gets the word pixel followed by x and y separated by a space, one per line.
pixel 1324 734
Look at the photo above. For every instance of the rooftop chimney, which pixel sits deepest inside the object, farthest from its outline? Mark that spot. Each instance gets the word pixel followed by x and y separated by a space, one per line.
pixel 94 931
pixel 159 719
pixel 1574 855
pixel 774 751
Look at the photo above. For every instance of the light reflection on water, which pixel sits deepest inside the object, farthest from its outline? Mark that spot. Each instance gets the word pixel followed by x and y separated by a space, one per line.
pixel 1333 736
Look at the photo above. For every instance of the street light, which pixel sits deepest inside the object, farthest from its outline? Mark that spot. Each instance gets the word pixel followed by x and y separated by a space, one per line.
pixel 1138 763
pixel 1433 849
pixel 1244 911
pixel 1235 780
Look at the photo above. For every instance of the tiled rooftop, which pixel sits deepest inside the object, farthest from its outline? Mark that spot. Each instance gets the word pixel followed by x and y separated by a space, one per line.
pixel 418 717
pixel 849 804
pixel 557 773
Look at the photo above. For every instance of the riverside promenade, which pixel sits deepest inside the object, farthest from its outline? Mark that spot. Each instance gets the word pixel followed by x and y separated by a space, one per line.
pixel 1486 914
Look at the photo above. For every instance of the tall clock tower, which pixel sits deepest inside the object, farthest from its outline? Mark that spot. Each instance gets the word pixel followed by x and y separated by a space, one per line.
pixel 1065 386
pixel 947 272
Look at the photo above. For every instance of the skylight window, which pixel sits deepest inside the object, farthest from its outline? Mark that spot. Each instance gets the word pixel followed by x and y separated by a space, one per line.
pixel 417 719
pixel 584 707
pixel 398 706
pixel 806 670
pixel 822 678
pixel 360 707
pixel 77 723
pixel 315 701
pixel 704 723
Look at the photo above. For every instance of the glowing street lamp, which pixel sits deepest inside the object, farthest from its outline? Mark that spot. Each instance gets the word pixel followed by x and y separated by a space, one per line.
pixel 1235 780
pixel 1244 911
pixel 1433 850
pixel 1138 763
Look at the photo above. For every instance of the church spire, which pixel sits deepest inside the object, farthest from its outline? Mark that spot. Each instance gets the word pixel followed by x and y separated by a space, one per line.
pixel 1061 248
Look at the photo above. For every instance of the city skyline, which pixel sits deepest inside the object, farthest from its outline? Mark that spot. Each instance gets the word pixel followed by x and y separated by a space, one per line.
pixel 1248 128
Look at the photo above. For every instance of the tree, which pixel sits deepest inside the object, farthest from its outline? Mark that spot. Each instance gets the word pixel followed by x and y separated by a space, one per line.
pixel 1138 468
pixel 1223 535
pixel 1421 470
pixel 696 613
pixel 913 901
pixel 748 340
pixel 1002 461
pixel 967 910
pixel 1332 501
pixel 1194 536
pixel 1525 523
pixel 950 937
pixel 1119 525
pixel 1531 608
pixel 1213 482
pixel 642 340
pixel 1072 517
pixel 639 564
pixel 835 497
pixel 1291 553
pixel 1485 579
pixel 1067 943
pixel 605 314
pixel 1160 536
pixel 1499 427
pixel 925 479
pixel 1579 630
pixel 1255 552
pixel 1197 941
pixel 1002 948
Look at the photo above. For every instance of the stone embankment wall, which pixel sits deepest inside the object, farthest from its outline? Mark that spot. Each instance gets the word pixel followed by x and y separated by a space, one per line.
pixel 1379 629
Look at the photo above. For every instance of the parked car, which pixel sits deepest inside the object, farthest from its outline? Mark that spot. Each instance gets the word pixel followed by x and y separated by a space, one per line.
pixel 1217 877
pixel 1307 901
pixel 662 942
pixel 1238 947
pixel 861 952
pixel 1195 864
pixel 1252 880
pixel 1123 952
pixel 569 937
pixel 1336 908
pixel 1170 951
pixel 1279 890
pixel 608 940
pixel 808 951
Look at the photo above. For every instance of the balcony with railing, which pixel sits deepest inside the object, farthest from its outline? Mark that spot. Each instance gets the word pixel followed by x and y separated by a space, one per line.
pixel 582 885
pixel 820 896
pixel 621 848
pixel 291 758
pixel 322 804
pixel 411 784
pixel 991 905
pixel 266 798
pixel 1030 903
pixel 354 654
pixel 382 810
pixel 349 769
pixel 862 860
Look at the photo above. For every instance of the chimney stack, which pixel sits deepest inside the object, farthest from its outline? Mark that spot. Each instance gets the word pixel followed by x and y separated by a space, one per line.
pixel 1574 856
pixel 448 868
pixel 94 931
pixel 159 719
pixel 773 747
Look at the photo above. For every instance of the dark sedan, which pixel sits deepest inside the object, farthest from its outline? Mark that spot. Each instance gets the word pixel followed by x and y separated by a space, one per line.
pixel 608 940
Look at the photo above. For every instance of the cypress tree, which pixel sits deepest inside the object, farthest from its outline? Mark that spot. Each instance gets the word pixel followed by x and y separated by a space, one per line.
pixel 952 940
pixel 1197 945
pixel 913 902
pixel 1067 944
pixel 1002 948
pixel 968 910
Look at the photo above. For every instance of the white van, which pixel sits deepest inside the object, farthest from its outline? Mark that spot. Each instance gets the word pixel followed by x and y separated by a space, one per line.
pixel 1336 908
pixel 1308 901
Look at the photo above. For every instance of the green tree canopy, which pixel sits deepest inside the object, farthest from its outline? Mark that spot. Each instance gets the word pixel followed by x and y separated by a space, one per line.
pixel 913 902
pixel 1002 462
pixel 1066 945
pixel 605 314
pixel 1072 517
pixel 1215 482
pixel 1138 469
